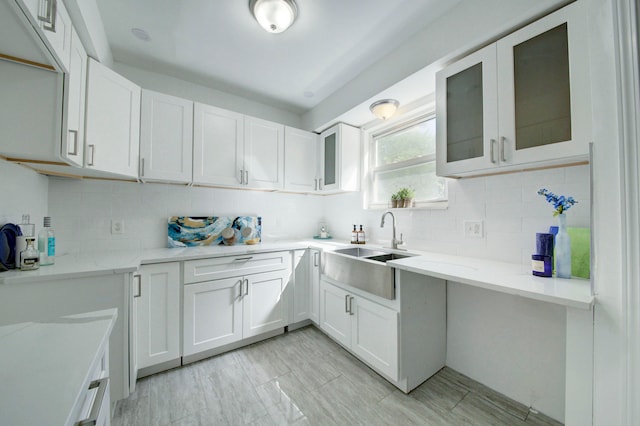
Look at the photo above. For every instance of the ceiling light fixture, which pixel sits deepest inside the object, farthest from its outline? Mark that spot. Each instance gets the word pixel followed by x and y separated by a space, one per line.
pixel 274 16
pixel 384 108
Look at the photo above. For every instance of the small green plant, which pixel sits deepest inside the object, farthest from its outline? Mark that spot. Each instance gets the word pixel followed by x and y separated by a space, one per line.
pixel 405 193
pixel 395 197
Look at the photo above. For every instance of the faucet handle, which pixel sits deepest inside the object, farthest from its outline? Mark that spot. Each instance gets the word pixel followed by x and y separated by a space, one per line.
pixel 400 242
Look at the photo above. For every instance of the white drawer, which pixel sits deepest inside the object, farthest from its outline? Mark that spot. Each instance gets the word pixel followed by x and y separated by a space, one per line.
pixel 230 266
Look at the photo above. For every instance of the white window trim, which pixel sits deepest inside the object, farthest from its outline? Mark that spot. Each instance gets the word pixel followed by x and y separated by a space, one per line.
pixel 391 125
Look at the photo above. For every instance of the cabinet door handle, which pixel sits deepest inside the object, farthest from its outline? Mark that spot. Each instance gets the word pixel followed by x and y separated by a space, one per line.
pixel 320 184
pixel 315 259
pixel 503 142
pixel 46 18
pixel 241 177
pixel 52 11
pixel 246 283
pixel 351 305
pixel 346 303
pixel 492 143
pixel 93 153
pixel 237 259
pixel 73 151
pixel 141 166
pixel 138 279
pixel 246 177
pixel 97 402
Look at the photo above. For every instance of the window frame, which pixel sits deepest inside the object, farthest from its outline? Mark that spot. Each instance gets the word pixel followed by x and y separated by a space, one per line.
pixel 388 128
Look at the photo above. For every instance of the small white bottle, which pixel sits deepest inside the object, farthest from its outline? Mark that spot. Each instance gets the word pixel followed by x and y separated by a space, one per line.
pixel 47 243
pixel 28 230
pixel 29 257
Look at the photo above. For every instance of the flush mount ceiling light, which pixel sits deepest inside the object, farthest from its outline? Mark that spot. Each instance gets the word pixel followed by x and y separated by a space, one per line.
pixel 384 108
pixel 274 16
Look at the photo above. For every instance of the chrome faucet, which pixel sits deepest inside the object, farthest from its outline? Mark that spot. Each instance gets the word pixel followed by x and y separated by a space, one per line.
pixel 394 242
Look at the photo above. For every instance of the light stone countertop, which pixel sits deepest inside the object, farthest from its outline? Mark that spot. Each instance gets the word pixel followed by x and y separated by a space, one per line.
pixel 503 277
pixel 46 366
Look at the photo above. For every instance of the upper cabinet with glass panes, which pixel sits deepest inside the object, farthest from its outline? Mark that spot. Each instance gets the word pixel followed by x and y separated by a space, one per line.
pixel 519 103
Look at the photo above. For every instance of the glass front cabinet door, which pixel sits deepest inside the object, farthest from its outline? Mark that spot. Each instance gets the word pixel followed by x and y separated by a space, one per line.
pixel 519 103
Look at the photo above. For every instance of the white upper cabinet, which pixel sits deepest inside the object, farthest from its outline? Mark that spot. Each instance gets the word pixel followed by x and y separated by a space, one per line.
pixel 521 102
pixel 112 122
pixel 166 138
pixel 340 159
pixel 263 154
pixel 230 149
pixel 52 21
pixel 218 146
pixel 300 160
pixel 76 82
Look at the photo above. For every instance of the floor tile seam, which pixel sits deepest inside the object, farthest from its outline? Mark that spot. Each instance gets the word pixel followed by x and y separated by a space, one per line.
pixel 346 377
pixel 501 407
pixel 497 408
pixel 310 389
pixel 460 400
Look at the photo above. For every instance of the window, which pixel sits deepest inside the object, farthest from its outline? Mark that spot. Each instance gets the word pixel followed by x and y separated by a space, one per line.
pixel 405 156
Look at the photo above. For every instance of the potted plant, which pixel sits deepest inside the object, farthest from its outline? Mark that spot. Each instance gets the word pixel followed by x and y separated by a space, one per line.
pixel 406 195
pixel 395 198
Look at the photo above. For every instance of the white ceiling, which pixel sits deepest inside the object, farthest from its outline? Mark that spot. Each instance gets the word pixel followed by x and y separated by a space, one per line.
pixel 219 44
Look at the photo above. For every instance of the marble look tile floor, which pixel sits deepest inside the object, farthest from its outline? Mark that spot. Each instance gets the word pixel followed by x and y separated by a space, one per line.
pixel 304 378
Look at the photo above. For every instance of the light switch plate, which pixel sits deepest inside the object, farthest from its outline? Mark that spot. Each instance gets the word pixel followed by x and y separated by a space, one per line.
pixel 473 228
pixel 117 226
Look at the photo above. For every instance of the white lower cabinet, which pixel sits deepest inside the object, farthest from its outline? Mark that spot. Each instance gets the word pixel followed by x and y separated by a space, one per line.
pixel 301 286
pixel 224 311
pixel 368 329
pixel 314 285
pixel 158 314
pixel 212 314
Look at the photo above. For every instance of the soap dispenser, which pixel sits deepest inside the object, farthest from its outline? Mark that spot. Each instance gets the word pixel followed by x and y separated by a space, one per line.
pixel 361 237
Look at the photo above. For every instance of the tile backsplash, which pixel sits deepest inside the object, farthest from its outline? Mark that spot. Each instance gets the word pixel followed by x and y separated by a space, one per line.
pixel 82 212
pixel 508 205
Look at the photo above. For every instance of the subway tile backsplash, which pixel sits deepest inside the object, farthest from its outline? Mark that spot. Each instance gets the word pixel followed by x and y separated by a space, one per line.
pixel 508 204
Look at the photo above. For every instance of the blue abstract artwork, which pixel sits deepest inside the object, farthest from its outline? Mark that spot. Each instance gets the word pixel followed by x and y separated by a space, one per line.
pixel 185 231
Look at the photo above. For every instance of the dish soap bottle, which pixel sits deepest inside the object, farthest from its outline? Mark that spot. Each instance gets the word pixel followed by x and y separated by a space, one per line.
pixel 29 257
pixel 361 237
pixel 47 243
pixel 354 236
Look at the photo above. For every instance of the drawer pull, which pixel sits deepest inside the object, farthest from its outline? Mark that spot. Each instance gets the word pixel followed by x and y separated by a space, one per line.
pixel 246 281
pixel 237 259
pixel 138 279
pixel 97 403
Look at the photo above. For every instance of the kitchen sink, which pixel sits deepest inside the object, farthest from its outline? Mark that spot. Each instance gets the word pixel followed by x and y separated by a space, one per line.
pixel 387 257
pixel 362 268
pixel 359 252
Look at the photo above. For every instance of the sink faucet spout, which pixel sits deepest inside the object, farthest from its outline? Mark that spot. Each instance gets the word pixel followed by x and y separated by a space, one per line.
pixel 394 240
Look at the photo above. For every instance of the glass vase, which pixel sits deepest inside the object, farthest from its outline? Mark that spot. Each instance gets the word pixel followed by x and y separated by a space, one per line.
pixel 563 249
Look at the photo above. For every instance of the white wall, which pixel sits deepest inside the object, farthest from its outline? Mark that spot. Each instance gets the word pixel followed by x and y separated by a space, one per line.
pixel 82 212
pixel 207 95
pixel 23 191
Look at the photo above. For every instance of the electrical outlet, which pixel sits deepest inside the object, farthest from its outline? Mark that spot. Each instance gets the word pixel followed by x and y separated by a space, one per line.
pixel 117 226
pixel 473 229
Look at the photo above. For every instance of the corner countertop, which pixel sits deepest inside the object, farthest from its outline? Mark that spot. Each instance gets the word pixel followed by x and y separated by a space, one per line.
pixel 503 277
pixel 509 278
pixel 46 366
